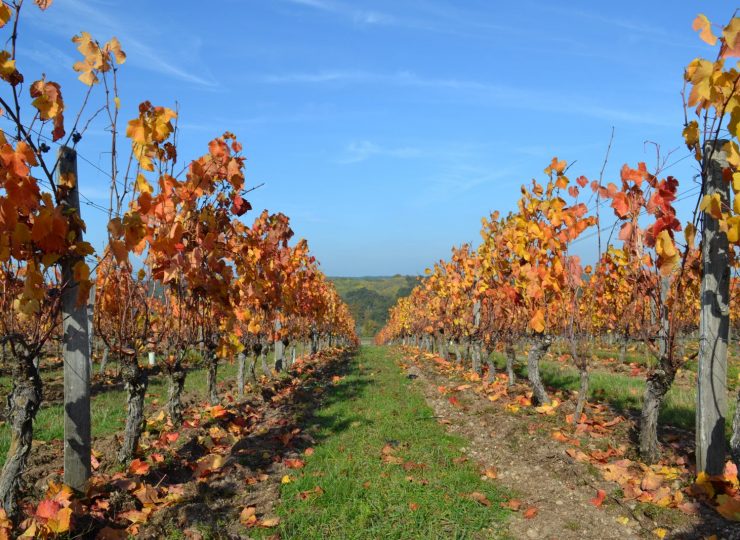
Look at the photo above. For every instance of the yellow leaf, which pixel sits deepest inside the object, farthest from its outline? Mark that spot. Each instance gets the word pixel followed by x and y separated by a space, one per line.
pixel 61 522
pixel 270 522
pixel 736 182
pixel 114 46
pixel 733 229
pixel 730 33
pixel 712 205
pixel 690 234
pixel 691 134
pixel 537 323
pixel 142 185
pixel 667 253
pixel 5 15
pixel 67 180
pixel 702 23
pixel 660 532
pixel 7 65
pixel 624 520
pixel 117 101
pixel 286 479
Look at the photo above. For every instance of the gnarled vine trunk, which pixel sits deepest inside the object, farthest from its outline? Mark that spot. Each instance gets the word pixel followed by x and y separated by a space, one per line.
pixel 735 440
pixel 104 360
pixel 263 361
pixel 442 346
pixel 176 379
pixel 490 363
pixel 539 348
pixel 657 385
pixel 212 377
pixel 24 401
pixel 475 356
pixel 135 382
pixel 458 352
pixel 241 362
pixel 510 359
pixel 582 392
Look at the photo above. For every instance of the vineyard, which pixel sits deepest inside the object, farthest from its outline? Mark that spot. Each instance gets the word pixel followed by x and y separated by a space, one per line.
pixel 641 337
pixel 199 376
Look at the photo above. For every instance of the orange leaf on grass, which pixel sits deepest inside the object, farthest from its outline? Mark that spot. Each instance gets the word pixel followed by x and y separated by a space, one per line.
pixel 480 498
pixel 513 504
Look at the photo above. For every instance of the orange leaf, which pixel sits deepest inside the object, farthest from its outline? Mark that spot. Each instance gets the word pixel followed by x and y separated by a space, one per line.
pixel 481 498
pixel 599 499
pixel 530 512
pixel 702 23
pixel 513 504
pixel 139 467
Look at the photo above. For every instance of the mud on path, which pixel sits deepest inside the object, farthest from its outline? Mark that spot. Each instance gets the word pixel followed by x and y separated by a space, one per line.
pixel 538 471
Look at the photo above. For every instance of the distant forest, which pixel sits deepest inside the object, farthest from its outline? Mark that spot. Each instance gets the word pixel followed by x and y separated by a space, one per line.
pixel 369 298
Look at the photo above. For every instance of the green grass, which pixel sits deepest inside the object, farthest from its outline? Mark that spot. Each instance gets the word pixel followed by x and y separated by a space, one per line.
pixel 364 497
pixel 108 408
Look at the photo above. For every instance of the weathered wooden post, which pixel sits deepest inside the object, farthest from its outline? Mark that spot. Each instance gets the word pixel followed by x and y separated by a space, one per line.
pixel 76 344
pixel 90 330
pixel 714 324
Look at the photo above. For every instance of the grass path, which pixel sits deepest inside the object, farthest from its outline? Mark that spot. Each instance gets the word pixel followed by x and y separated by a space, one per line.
pixel 385 466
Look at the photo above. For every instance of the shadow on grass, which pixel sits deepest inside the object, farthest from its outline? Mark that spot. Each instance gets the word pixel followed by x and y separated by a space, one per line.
pixel 277 430
pixel 622 394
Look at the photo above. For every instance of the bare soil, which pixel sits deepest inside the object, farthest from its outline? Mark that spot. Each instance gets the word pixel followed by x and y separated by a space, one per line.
pixel 539 473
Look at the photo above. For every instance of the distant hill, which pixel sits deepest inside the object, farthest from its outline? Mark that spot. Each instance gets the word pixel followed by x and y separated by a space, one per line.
pixel 370 298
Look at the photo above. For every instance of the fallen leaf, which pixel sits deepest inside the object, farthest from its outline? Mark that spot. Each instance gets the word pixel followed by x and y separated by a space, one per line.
pixel 530 512
pixel 248 516
pixel 599 499
pixel 481 498
pixel 513 504
pixel 138 467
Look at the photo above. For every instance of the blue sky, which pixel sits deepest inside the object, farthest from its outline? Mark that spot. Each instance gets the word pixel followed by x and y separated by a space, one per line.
pixel 387 129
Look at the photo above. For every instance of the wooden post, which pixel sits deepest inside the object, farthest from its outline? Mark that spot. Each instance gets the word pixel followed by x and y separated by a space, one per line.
pixel 75 350
pixel 90 331
pixel 714 324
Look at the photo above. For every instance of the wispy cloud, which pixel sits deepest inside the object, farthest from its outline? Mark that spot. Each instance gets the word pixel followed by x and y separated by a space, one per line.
pixel 345 10
pixel 362 150
pixel 71 15
pixel 458 180
pixel 483 92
